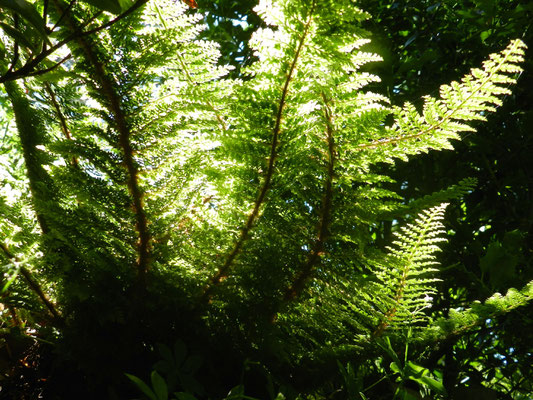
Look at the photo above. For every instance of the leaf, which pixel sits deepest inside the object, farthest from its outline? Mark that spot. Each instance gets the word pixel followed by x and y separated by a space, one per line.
pixel 143 387
pixel 501 259
pixel 10 280
pixel 113 6
pixel 411 39
pixel 432 383
pixel 160 386
pixel 484 35
pixel 395 368
pixel 54 76
pixel 18 36
pixel 165 352
pixel 190 384
pixel 236 393
pixel 27 11
pixel 164 366
pixel 421 375
pixel 125 4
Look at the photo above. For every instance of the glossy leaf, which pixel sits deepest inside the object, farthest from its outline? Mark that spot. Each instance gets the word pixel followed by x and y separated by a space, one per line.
pixel 143 387
pixel 160 386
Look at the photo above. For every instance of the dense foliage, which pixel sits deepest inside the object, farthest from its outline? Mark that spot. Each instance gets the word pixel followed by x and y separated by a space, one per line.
pixel 155 199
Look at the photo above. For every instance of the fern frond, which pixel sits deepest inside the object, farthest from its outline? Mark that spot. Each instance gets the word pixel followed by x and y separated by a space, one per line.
pixel 406 277
pixel 461 321
pixel 460 102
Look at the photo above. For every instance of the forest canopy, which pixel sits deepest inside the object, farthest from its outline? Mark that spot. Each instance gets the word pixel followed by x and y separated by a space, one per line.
pixel 208 200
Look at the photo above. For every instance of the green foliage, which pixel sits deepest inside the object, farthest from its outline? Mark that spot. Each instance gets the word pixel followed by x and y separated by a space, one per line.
pixel 404 371
pixel 240 216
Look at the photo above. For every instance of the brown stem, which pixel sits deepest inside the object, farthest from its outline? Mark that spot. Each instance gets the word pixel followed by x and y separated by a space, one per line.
pixel 50 69
pixel 14 316
pixel 61 116
pixel 224 269
pixel 108 88
pixel 15 46
pixel 389 315
pixel 33 284
pixel 303 276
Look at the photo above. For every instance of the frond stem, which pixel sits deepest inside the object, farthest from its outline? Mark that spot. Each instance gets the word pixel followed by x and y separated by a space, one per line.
pixel 33 284
pixel 224 269
pixel 389 315
pixel 108 84
pixel 61 116
pixel 303 276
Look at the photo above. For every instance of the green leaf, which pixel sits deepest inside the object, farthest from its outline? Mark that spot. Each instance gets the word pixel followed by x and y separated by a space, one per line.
pixel 433 384
pixel 56 75
pixel 160 386
pixel 143 387
pixel 484 35
pixel 501 259
pixel 19 37
pixel 421 375
pixel 27 11
pixel 390 351
pixel 113 6
pixel 236 391
pixel 165 352
pixel 125 4
pixel 395 368
pixel 10 280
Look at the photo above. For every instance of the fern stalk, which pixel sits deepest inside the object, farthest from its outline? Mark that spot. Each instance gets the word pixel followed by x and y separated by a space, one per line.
pixel 108 88
pixel 224 269
pixel 305 273
pixel 33 285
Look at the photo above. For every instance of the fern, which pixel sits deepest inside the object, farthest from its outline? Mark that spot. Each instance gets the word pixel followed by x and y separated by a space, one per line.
pixel 442 120
pixel 235 208
pixel 406 277
pixel 462 321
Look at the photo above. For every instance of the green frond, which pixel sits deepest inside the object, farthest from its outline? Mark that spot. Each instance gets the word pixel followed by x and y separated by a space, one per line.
pixel 461 321
pixel 254 204
pixel 406 276
pixel 444 119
